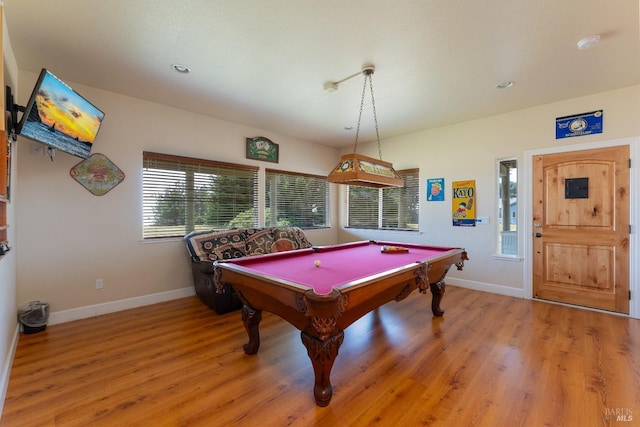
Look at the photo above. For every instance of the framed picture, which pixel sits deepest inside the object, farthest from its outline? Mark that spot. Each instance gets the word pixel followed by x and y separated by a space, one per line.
pixel 261 148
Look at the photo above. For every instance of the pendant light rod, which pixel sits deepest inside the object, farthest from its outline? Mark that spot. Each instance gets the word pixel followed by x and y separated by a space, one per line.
pixel 333 86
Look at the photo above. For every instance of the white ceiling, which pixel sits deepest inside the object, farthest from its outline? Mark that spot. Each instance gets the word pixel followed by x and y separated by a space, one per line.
pixel 264 63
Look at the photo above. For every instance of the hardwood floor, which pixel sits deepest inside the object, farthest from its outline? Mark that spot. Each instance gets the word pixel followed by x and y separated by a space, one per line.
pixel 490 361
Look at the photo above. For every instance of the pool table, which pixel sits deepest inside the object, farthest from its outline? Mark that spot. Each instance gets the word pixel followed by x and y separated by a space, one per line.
pixel 322 290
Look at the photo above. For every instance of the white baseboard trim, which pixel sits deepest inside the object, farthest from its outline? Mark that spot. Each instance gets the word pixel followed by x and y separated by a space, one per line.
pixel 486 287
pixel 113 306
pixel 6 369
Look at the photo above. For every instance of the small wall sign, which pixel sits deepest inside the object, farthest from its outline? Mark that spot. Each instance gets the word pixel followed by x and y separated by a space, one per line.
pixel 97 174
pixel 261 148
pixel 579 125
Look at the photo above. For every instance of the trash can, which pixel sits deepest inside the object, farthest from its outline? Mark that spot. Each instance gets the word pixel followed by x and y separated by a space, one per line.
pixel 33 317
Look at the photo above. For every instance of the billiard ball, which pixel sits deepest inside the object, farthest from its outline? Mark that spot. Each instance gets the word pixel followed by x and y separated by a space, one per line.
pixel 316 263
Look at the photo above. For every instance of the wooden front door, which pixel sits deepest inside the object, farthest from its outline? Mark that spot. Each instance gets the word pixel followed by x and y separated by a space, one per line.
pixel 581 228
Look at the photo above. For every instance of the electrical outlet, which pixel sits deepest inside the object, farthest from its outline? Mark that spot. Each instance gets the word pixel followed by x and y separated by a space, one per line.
pixel 99 283
pixel 37 149
pixel 483 220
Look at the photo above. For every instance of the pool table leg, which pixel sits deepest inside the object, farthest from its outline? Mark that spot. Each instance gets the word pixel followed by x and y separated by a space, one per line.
pixel 251 319
pixel 322 354
pixel 437 289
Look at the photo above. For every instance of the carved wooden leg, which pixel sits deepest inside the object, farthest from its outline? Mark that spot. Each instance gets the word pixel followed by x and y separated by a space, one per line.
pixel 437 289
pixel 322 354
pixel 251 319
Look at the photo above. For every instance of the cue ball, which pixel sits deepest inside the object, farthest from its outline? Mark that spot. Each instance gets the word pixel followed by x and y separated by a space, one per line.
pixel 316 263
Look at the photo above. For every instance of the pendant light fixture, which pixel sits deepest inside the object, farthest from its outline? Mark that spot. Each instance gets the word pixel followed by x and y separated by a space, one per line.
pixel 356 169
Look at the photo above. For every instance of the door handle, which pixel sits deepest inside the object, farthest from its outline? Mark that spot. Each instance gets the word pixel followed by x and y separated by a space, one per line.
pixel 538 235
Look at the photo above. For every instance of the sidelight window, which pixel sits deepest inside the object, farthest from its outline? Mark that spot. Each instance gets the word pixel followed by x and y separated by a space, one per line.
pixel 507 235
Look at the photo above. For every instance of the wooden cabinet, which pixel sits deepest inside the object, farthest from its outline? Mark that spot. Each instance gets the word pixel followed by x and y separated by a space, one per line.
pixel 5 170
pixel 5 160
pixel 4 166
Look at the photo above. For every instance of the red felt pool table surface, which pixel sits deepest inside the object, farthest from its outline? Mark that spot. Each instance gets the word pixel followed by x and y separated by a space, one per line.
pixel 321 301
pixel 341 266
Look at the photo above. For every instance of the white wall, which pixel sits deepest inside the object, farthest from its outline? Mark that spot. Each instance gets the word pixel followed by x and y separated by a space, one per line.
pixel 469 151
pixel 69 237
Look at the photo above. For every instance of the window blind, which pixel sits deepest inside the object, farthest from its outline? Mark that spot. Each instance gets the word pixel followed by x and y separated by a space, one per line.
pixel 183 194
pixel 401 206
pixel 364 207
pixel 386 208
pixel 296 199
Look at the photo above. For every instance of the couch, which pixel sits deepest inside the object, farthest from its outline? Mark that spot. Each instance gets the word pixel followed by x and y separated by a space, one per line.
pixel 205 247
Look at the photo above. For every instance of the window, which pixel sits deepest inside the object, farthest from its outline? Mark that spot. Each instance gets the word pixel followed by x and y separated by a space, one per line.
pixel 182 194
pixel 507 207
pixel 296 200
pixel 386 208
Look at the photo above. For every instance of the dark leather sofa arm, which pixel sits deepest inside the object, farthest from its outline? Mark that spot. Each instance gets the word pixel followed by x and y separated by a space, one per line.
pixel 221 302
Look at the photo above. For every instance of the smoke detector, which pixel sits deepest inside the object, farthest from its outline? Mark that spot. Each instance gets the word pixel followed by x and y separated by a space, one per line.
pixel 588 42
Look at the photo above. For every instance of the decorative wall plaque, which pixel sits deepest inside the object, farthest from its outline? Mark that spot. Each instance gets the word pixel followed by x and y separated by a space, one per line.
pixel 97 174
pixel 261 148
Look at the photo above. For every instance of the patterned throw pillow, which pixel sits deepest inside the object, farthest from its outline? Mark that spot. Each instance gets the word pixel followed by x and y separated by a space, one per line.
pixel 258 241
pixel 289 238
pixel 217 245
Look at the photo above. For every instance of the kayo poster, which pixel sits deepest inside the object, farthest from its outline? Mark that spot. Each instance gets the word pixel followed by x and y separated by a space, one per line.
pixel 464 203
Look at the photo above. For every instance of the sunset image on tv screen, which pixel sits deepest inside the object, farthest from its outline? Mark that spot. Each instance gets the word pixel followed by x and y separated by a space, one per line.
pixel 70 113
pixel 62 118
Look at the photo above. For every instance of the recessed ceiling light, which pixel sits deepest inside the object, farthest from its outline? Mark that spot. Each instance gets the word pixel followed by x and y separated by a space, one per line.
pixel 181 68
pixel 348 127
pixel 505 85
pixel 588 42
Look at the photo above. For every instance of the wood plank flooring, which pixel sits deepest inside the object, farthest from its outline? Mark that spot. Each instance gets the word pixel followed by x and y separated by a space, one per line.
pixel 490 361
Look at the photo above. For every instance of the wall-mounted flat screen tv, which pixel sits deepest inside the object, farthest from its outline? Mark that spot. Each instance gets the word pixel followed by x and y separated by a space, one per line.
pixel 59 117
